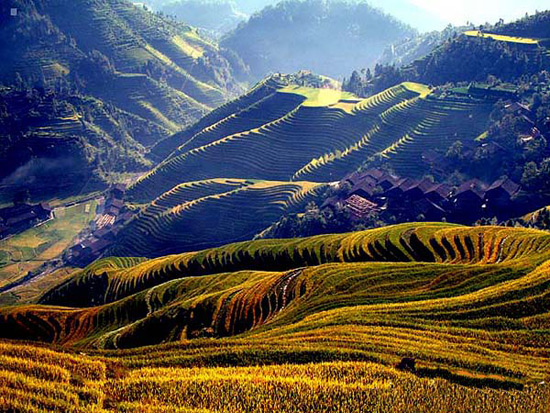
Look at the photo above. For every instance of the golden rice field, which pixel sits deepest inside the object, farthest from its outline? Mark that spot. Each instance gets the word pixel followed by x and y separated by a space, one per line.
pixel 38 379
pixel 295 325
pixel 503 38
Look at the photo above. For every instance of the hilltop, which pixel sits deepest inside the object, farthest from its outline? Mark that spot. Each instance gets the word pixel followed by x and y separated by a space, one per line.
pixel 506 52
pixel 91 85
pixel 307 34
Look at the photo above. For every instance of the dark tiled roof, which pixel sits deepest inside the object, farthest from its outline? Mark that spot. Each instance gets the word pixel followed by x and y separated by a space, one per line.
pixel 364 186
pixel 442 189
pixel 473 185
pixel 374 173
pixel 506 184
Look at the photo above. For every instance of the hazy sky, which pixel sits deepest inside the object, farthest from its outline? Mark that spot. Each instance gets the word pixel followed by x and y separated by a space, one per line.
pixel 459 12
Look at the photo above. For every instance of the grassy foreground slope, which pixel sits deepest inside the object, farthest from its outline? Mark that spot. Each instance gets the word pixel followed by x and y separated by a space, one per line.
pixel 470 304
pixel 320 136
pixel 36 378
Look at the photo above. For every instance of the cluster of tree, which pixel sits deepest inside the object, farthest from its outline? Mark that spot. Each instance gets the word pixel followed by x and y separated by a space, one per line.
pixel 315 221
pixel 536 26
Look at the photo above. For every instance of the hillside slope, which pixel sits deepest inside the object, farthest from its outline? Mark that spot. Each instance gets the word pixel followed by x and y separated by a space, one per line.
pixel 319 135
pixel 471 301
pixel 105 77
pixel 204 214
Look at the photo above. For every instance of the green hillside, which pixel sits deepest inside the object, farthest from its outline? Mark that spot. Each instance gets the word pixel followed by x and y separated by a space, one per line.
pixel 102 81
pixel 469 304
pixel 507 52
pixel 321 139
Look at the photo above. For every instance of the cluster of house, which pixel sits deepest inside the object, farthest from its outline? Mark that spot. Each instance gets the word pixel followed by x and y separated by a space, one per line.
pixel 409 199
pixel 111 215
pixel 22 216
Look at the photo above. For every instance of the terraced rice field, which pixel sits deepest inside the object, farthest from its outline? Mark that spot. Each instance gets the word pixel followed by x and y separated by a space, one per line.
pixel 210 213
pixel 503 38
pixel 318 135
pixel 305 323
pixel 36 378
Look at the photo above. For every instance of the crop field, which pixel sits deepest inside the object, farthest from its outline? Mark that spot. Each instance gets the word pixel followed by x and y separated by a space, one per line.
pixel 35 378
pixel 30 249
pixel 503 38
pixel 316 135
pixel 197 214
pixel 31 290
pixel 287 135
pixel 291 325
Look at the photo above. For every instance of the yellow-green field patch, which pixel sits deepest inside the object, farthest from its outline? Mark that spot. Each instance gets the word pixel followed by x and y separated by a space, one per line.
pixel 28 250
pixel 502 38
pixel 318 97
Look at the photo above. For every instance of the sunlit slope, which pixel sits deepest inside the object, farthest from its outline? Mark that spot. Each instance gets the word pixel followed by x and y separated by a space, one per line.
pixel 259 105
pixel 119 53
pixel 210 213
pixel 321 139
pixel 35 378
pixel 473 301
pixel 503 38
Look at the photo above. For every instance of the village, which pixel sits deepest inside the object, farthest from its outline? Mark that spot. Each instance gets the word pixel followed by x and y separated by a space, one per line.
pixel 407 200
pixel 95 240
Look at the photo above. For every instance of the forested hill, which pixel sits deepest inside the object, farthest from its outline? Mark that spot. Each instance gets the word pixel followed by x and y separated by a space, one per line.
pixel 536 26
pixel 104 79
pixel 506 52
pixel 327 37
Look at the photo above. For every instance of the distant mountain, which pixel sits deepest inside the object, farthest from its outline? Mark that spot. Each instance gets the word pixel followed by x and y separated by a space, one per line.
pixel 326 36
pixel 411 13
pixel 105 78
pixel 217 16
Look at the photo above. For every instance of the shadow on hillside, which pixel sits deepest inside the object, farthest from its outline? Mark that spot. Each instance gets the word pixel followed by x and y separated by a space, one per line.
pixel 466 380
